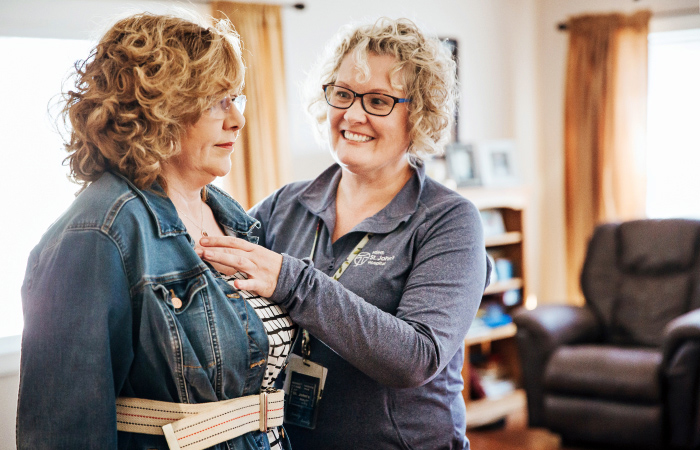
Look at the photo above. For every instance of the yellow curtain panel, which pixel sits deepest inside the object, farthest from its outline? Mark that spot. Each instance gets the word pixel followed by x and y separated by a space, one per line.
pixel 261 159
pixel 604 128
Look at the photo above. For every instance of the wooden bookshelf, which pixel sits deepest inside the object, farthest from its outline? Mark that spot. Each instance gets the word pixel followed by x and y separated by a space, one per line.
pixel 498 342
pixel 490 334
pixel 486 411
pixel 508 238
pixel 503 286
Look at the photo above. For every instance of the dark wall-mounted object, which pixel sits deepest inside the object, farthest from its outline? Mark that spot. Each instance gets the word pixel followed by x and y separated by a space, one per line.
pixel 451 43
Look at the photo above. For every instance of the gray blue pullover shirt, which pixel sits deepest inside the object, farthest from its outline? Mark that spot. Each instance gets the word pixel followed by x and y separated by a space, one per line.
pixel 391 329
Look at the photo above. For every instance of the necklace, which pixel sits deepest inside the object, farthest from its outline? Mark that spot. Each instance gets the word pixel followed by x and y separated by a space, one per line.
pixel 201 223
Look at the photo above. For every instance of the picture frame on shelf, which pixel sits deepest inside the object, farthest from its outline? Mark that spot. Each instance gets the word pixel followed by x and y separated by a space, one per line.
pixel 462 164
pixel 498 163
pixel 492 220
pixel 436 168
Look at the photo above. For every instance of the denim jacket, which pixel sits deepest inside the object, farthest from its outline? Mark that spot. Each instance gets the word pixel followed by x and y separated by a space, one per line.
pixel 100 320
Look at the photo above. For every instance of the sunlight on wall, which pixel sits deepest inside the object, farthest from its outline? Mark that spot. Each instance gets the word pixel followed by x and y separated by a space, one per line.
pixel 673 138
pixel 33 183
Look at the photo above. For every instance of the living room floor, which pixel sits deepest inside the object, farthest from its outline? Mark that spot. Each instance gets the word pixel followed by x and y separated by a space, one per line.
pixel 515 435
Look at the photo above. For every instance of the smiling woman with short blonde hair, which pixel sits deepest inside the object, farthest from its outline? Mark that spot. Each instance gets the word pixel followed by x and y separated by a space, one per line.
pixel 382 266
pixel 427 74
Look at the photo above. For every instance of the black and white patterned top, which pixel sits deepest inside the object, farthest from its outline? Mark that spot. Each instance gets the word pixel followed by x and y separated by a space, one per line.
pixel 281 332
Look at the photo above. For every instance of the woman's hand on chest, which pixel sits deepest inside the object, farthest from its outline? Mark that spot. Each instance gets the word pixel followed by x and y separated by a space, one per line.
pixel 230 255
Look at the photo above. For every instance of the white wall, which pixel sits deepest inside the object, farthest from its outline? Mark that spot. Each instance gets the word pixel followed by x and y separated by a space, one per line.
pixel 497 67
pixel 492 63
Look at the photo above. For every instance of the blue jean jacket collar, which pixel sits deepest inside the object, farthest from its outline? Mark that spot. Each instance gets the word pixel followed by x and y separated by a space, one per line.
pixel 235 221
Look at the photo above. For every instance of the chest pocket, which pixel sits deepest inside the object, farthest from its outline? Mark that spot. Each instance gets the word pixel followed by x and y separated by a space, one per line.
pixel 187 305
pixel 179 295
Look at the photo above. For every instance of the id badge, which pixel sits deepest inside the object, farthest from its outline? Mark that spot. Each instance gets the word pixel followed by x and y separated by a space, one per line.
pixel 303 389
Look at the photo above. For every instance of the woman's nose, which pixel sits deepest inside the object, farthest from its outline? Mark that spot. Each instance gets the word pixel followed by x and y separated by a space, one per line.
pixel 235 120
pixel 355 113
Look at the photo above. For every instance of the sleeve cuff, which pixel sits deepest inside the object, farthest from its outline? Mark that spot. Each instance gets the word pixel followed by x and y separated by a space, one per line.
pixel 287 282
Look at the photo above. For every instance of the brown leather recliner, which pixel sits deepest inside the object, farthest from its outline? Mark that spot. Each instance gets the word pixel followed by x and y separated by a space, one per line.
pixel 625 368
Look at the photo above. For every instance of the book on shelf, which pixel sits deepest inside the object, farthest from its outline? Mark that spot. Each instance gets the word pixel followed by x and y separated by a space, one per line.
pixel 488 378
pixel 496 388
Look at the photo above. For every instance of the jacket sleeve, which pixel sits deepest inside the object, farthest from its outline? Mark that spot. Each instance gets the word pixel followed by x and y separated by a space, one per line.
pixel 76 344
pixel 440 299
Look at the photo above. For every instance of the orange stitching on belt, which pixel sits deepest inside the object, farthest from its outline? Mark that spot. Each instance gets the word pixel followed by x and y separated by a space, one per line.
pixel 227 421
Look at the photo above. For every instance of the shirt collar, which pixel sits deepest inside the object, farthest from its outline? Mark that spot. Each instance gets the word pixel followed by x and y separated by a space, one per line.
pixel 228 212
pixel 319 196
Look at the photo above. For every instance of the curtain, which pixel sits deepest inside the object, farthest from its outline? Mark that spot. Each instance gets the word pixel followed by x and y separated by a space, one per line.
pixel 260 162
pixel 604 129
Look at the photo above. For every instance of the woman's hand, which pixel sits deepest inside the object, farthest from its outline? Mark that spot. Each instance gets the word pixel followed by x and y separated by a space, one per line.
pixel 232 255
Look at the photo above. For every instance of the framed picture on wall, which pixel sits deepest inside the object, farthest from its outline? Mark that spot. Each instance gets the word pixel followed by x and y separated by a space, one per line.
pixel 451 45
pixel 462 165
pixel 498 163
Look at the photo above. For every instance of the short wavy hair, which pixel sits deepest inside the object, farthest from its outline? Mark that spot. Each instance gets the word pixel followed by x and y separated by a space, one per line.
pixel 147 80
pixel 427 76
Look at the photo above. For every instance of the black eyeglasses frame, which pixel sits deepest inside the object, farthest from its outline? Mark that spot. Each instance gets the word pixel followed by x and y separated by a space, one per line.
pixel 362 100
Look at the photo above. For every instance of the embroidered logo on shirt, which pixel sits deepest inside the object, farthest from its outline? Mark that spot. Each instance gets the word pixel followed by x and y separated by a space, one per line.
pixel 376 258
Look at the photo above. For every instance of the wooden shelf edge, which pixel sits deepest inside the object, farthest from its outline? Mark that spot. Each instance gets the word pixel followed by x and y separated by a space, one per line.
pixel 492 334
pixel 488 198
pixel 511 237
pixel 503 286
pixel 487 410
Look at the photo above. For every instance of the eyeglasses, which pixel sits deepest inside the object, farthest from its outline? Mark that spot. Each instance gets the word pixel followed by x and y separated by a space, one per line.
pixel 221 108
pixel 372 103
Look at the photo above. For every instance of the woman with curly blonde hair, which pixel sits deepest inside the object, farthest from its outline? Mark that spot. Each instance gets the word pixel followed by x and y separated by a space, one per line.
pixel 385 268
pixel 130 340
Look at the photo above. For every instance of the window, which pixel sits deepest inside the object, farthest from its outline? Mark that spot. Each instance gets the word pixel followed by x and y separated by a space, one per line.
pixel 33 182
pixel 673 140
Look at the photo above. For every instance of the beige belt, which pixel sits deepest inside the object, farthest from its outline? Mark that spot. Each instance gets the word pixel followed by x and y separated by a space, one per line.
pixel 201 425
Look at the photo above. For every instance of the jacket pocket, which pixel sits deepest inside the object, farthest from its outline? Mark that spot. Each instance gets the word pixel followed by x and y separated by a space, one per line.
pixel 180 294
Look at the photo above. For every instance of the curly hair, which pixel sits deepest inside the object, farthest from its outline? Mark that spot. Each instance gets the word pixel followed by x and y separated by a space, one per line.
pixel 147 80
pixel 426 71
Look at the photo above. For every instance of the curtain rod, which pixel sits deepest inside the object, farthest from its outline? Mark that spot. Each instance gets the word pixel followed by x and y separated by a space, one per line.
pixel 563 26
pixel 298 6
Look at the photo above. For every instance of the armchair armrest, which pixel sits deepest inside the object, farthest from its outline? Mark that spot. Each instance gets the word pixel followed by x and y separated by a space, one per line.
pixel 681 374
pixel 682 328
pixel 540 332
pixel 555 325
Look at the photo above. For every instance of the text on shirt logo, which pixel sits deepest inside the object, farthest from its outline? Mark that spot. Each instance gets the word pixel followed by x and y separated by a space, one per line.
pixel 376 258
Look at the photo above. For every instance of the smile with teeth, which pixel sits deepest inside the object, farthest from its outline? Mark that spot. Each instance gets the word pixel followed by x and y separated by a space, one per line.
pixel 356 137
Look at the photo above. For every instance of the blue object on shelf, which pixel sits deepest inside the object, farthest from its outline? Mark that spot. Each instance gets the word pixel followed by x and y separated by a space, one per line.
pixel 511 298
pixel 504 268
pixel 495 317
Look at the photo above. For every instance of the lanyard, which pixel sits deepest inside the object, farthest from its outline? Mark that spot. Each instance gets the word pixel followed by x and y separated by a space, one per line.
pixel 306 337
